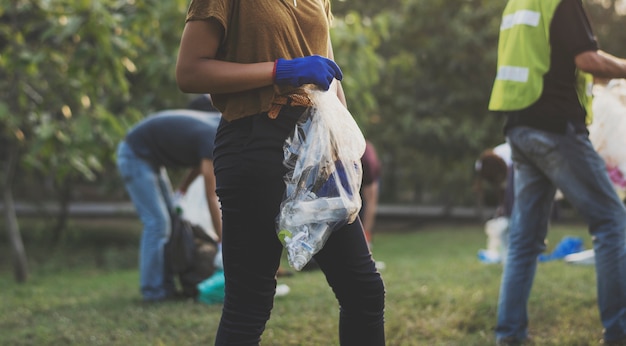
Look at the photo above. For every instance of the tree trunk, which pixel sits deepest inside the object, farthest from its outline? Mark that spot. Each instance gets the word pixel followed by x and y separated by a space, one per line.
pixel 65 196
pixel 20 264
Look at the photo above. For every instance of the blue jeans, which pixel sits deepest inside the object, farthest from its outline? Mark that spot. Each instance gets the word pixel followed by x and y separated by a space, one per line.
pixel 150 190
pixel 543 162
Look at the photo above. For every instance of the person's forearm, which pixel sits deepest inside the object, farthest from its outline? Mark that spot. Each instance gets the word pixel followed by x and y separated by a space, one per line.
pixel 369 218
pixel 614 67
pixel 216 216
pixel 211 197
pixel 370 196
pixel 601 64
pixel 199 71
pixel 206 76
pixel 189 178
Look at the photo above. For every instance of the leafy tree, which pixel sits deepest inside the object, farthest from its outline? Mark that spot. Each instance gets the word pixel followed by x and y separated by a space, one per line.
pixel 431 70
pixel 356 40
pixel 607 19
pixel 77 74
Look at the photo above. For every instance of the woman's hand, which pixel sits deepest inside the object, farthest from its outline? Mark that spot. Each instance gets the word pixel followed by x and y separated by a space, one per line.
pixel 314 69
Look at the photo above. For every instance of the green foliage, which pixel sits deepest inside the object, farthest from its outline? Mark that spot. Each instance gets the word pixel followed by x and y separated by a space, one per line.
pixel 75 75
pixel 607 20
pixel 79 73
pixel 437 293
pixel 428 70
pixel 356 40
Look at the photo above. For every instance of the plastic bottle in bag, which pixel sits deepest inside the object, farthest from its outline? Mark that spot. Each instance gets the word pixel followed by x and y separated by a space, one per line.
pixel 306 242
pixel 304 226
pixel 297 141
pixel 319 210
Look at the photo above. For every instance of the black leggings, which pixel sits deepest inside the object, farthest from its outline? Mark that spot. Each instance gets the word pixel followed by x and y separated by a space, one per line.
pixel 249 173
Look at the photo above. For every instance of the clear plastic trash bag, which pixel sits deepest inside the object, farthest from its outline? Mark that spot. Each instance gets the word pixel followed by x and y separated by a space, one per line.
pixel 323 156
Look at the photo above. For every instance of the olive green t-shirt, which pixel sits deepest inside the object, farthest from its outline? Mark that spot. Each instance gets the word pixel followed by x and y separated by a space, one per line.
pixel 262 31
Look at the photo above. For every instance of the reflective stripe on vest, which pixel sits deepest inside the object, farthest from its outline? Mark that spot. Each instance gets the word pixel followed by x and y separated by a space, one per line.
pixel 522 17
pixel 513 74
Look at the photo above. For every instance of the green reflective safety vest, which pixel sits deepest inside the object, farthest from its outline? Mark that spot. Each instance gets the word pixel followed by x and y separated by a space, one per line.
pixel 524 57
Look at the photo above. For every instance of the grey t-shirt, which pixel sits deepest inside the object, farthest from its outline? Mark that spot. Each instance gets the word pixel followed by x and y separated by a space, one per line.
pixel 178 138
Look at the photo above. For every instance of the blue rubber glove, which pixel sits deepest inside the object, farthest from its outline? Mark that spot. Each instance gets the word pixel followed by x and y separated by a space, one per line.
pixel 312 69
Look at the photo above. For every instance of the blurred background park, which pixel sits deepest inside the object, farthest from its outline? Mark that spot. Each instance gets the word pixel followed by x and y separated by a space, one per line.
pixel 76 74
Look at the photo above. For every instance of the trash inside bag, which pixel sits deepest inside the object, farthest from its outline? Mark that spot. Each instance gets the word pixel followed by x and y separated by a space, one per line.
pixel 323 156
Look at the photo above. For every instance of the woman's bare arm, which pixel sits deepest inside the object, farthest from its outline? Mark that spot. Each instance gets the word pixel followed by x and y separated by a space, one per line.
pixel 197 70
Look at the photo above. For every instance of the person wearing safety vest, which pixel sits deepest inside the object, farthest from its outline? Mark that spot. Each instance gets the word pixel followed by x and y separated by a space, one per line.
pixel 547 55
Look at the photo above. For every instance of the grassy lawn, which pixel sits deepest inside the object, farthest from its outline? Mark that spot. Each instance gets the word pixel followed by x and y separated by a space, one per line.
pixel 84 291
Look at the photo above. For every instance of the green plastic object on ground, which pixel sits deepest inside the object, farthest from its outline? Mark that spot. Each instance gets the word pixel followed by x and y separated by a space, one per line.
pixel 211 290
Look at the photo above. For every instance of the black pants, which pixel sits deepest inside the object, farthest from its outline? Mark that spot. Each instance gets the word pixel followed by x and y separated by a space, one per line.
pixel 249 172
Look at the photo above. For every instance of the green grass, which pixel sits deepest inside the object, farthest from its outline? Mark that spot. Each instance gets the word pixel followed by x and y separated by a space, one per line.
pixel 84 291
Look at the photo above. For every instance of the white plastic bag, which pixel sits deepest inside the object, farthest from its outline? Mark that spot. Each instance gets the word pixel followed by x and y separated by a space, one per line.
pixel 195 207
pixel 607 132
pixel 322 186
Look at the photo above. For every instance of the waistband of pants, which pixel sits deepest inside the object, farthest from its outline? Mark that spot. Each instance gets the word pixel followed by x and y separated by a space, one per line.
pixel 550 124
pixel 124 149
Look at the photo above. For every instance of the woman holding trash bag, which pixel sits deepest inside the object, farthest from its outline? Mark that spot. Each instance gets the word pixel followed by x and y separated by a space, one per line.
pixel 255 58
